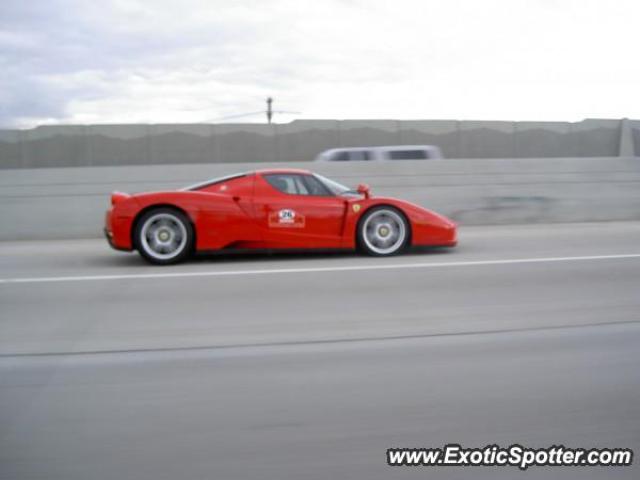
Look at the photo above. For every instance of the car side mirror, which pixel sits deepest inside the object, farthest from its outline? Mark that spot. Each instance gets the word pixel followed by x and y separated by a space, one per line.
pixel 364 189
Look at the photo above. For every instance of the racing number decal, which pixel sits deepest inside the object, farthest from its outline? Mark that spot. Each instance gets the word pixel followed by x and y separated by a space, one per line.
pixel 286 218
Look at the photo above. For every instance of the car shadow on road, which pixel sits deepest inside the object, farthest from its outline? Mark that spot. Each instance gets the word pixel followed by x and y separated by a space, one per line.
pixel 296 255
pixel 132 259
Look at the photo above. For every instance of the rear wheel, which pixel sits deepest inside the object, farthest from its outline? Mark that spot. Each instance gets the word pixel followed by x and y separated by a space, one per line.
pixel 163 236
pixel 383 231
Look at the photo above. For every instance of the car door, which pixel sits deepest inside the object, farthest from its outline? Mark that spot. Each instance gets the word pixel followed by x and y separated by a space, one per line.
pixel 296 210
pixel 227 218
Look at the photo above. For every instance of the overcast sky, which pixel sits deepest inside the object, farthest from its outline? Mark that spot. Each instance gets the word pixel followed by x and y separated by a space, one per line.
pixel 160 61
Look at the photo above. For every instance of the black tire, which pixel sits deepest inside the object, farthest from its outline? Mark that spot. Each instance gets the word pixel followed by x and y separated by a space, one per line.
pixel 163 236
pixel 383 231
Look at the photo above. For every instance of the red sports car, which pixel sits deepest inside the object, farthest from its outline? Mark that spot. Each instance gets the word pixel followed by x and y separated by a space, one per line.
pixel 269 209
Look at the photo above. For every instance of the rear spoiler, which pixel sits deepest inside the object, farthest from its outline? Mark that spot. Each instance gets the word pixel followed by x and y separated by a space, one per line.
pixel 117 197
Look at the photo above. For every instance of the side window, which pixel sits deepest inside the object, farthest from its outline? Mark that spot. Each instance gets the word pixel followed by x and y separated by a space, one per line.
pixel 287 183
pixel 294 184
pixel 340 157
pixel 315 186
pixel 407 154
pixel 359 155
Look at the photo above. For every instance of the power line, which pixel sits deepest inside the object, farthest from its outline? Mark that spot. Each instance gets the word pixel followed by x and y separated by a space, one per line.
pixel 269 112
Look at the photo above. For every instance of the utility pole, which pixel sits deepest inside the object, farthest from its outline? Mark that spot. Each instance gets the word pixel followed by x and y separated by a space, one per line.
pixel 269 109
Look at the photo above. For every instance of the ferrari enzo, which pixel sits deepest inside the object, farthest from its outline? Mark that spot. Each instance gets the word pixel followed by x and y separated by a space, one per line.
pixel 269 209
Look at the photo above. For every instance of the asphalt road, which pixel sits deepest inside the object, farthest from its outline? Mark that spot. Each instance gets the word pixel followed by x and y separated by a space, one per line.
pixel 312 366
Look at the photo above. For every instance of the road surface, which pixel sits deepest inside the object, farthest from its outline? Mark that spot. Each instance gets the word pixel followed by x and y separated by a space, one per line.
pixel 311 366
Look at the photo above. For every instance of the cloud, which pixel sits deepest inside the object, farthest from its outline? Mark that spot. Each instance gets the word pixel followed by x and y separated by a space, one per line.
pixel 117 61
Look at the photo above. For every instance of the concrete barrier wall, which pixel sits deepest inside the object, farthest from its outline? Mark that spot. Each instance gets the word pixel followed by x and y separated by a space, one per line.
pixel 70 202
pixel 109 145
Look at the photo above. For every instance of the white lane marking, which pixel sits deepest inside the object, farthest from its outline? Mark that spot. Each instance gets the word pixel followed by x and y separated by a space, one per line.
pixel 352 268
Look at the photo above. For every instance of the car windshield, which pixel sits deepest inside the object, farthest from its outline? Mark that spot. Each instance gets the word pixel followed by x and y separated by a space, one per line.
pixel 334 187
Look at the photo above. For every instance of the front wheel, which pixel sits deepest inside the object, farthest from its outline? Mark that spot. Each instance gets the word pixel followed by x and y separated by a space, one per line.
pixel 383 231
pixel 163 236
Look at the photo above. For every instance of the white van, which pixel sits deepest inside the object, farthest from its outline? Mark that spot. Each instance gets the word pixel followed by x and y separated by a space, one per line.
pixel 393 152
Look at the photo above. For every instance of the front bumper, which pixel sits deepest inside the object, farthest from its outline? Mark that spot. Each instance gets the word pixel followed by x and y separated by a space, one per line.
pixel 435 236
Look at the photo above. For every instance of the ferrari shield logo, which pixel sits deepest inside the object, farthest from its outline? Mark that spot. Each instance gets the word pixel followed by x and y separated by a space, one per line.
pixel 356 207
